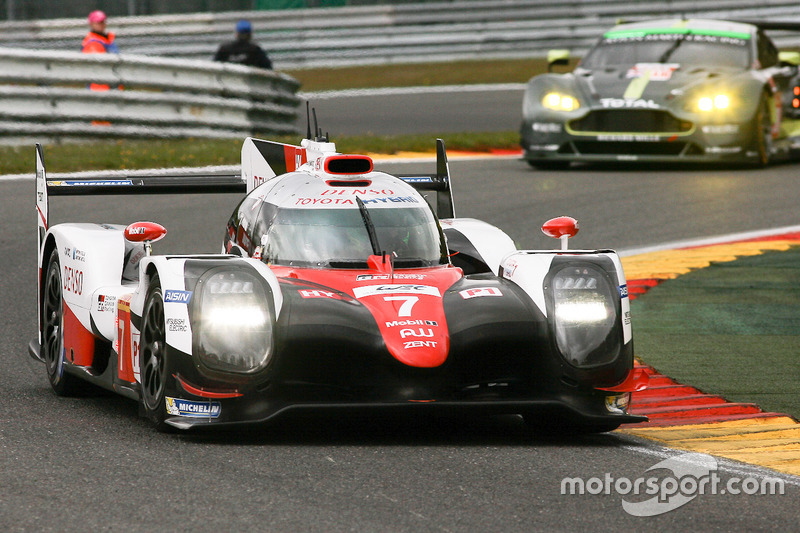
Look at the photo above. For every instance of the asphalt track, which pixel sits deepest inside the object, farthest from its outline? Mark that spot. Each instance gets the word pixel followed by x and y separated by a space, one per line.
pixel 92 463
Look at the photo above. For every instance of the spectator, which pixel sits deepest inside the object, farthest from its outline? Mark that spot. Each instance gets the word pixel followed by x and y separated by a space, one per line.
pixel 242 50
pixel 98 41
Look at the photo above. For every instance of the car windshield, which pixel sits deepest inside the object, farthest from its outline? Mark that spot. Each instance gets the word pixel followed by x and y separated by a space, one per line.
pixel 338 238
pixel 630 48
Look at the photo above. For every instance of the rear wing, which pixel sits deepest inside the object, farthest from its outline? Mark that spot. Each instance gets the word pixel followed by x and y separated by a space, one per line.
pixel 121 183
pixel 435 188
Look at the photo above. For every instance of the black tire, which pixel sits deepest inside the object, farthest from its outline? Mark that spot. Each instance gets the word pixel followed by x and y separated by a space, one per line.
pixel 549 165
pixel 762 129
pixel 52 350
pixel 553 425
pixel 153 369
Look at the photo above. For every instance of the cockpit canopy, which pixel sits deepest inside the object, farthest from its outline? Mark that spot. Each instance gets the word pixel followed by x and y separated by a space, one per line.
pixel 339 238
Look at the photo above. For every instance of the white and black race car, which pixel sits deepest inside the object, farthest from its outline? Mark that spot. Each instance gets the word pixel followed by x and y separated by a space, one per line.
pixel 338 287
pixel 668 90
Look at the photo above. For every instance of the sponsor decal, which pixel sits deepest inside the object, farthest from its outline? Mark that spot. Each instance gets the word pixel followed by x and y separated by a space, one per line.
pixel 629 138
pixel 392 200
pixel 372 290
pixel 416 179
pixel 421 332
pixel 367 277
pixel 411 323
pixel 79 255
pixel 653 71
pixel 324 201
pixel 419 344
pixel 356 192
pixel 100 183
pixel 720 129
pixel 178 407
pixel 106 304
pixel 480 292
pixel 181 297
pixel 73 280
pixel 543 147
pixel 620 103
pixel 509 268
pixel 316 293
pixel 723 149
pixel 177 324
pixel 547 127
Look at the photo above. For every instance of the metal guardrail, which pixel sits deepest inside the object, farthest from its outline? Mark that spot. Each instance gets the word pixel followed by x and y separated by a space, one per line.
pixel 172 89
pixel 460 29
pixel 45 94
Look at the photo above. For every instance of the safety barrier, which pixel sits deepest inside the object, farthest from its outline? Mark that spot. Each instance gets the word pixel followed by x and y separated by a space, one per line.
pixel 429 31
pixel 45 94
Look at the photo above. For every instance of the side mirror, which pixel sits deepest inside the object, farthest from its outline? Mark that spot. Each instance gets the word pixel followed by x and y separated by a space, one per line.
pixel 146 232
pixel 557 57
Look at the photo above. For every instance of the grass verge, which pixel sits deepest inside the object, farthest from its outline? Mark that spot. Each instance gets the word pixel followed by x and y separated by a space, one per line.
pixel 159 153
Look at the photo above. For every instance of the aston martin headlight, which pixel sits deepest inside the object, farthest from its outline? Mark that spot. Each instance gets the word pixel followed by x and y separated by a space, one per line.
pixel 560 101
pixel 713 102
pixel 235 321
pixel 585 315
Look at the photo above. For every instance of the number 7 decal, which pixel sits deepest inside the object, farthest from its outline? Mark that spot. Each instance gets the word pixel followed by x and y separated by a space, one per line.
pixel 408 303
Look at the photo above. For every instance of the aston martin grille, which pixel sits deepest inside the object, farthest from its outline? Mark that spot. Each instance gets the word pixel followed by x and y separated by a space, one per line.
pixel 630 121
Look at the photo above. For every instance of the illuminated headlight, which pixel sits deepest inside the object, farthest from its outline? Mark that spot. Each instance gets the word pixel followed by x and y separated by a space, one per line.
pixel 235 321
pixel 584 316
pixel 560 102
pixel 713 102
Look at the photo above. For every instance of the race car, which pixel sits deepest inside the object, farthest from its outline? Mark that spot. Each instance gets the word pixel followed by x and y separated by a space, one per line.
pixel 668 90
pixel 338 287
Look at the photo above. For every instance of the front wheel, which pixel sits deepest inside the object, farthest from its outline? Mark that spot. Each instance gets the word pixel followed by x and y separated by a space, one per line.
pixel 153 357
pixel 53 352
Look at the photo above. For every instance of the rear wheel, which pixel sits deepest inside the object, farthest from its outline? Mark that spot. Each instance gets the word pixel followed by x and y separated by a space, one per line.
pixel 153 357
pixel 53 352
pixel 762 128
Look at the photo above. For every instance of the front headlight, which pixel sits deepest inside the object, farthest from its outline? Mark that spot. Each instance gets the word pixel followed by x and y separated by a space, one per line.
pixel 235 322
pixel 712 102
pixel 560 101
pixel 584 315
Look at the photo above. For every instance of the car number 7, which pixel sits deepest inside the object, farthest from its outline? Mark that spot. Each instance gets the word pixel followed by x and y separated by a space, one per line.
pixel 408 303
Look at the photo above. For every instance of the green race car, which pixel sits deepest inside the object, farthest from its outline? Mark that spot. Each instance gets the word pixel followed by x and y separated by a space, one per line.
pixel 667 90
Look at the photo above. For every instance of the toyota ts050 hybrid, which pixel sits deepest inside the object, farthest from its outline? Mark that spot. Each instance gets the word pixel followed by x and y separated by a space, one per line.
pixel 338 287
pixel 668 90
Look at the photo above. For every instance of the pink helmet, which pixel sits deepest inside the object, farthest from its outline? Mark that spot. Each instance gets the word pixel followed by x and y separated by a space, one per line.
pixel 97 16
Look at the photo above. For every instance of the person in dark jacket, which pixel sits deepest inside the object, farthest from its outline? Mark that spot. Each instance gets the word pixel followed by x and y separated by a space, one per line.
pixel 242 50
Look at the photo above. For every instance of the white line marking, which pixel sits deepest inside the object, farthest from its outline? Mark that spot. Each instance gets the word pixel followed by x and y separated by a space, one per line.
pixel 705 241
pixel 397 91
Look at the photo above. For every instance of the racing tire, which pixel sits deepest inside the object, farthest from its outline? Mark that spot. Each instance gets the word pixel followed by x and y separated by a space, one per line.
pixel 153 357
pixel 549 165
pixel 762 129
pixel 53 353
pixel 552 425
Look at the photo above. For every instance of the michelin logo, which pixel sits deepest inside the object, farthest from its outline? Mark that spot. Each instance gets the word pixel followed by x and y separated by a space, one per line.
pixel 178 407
